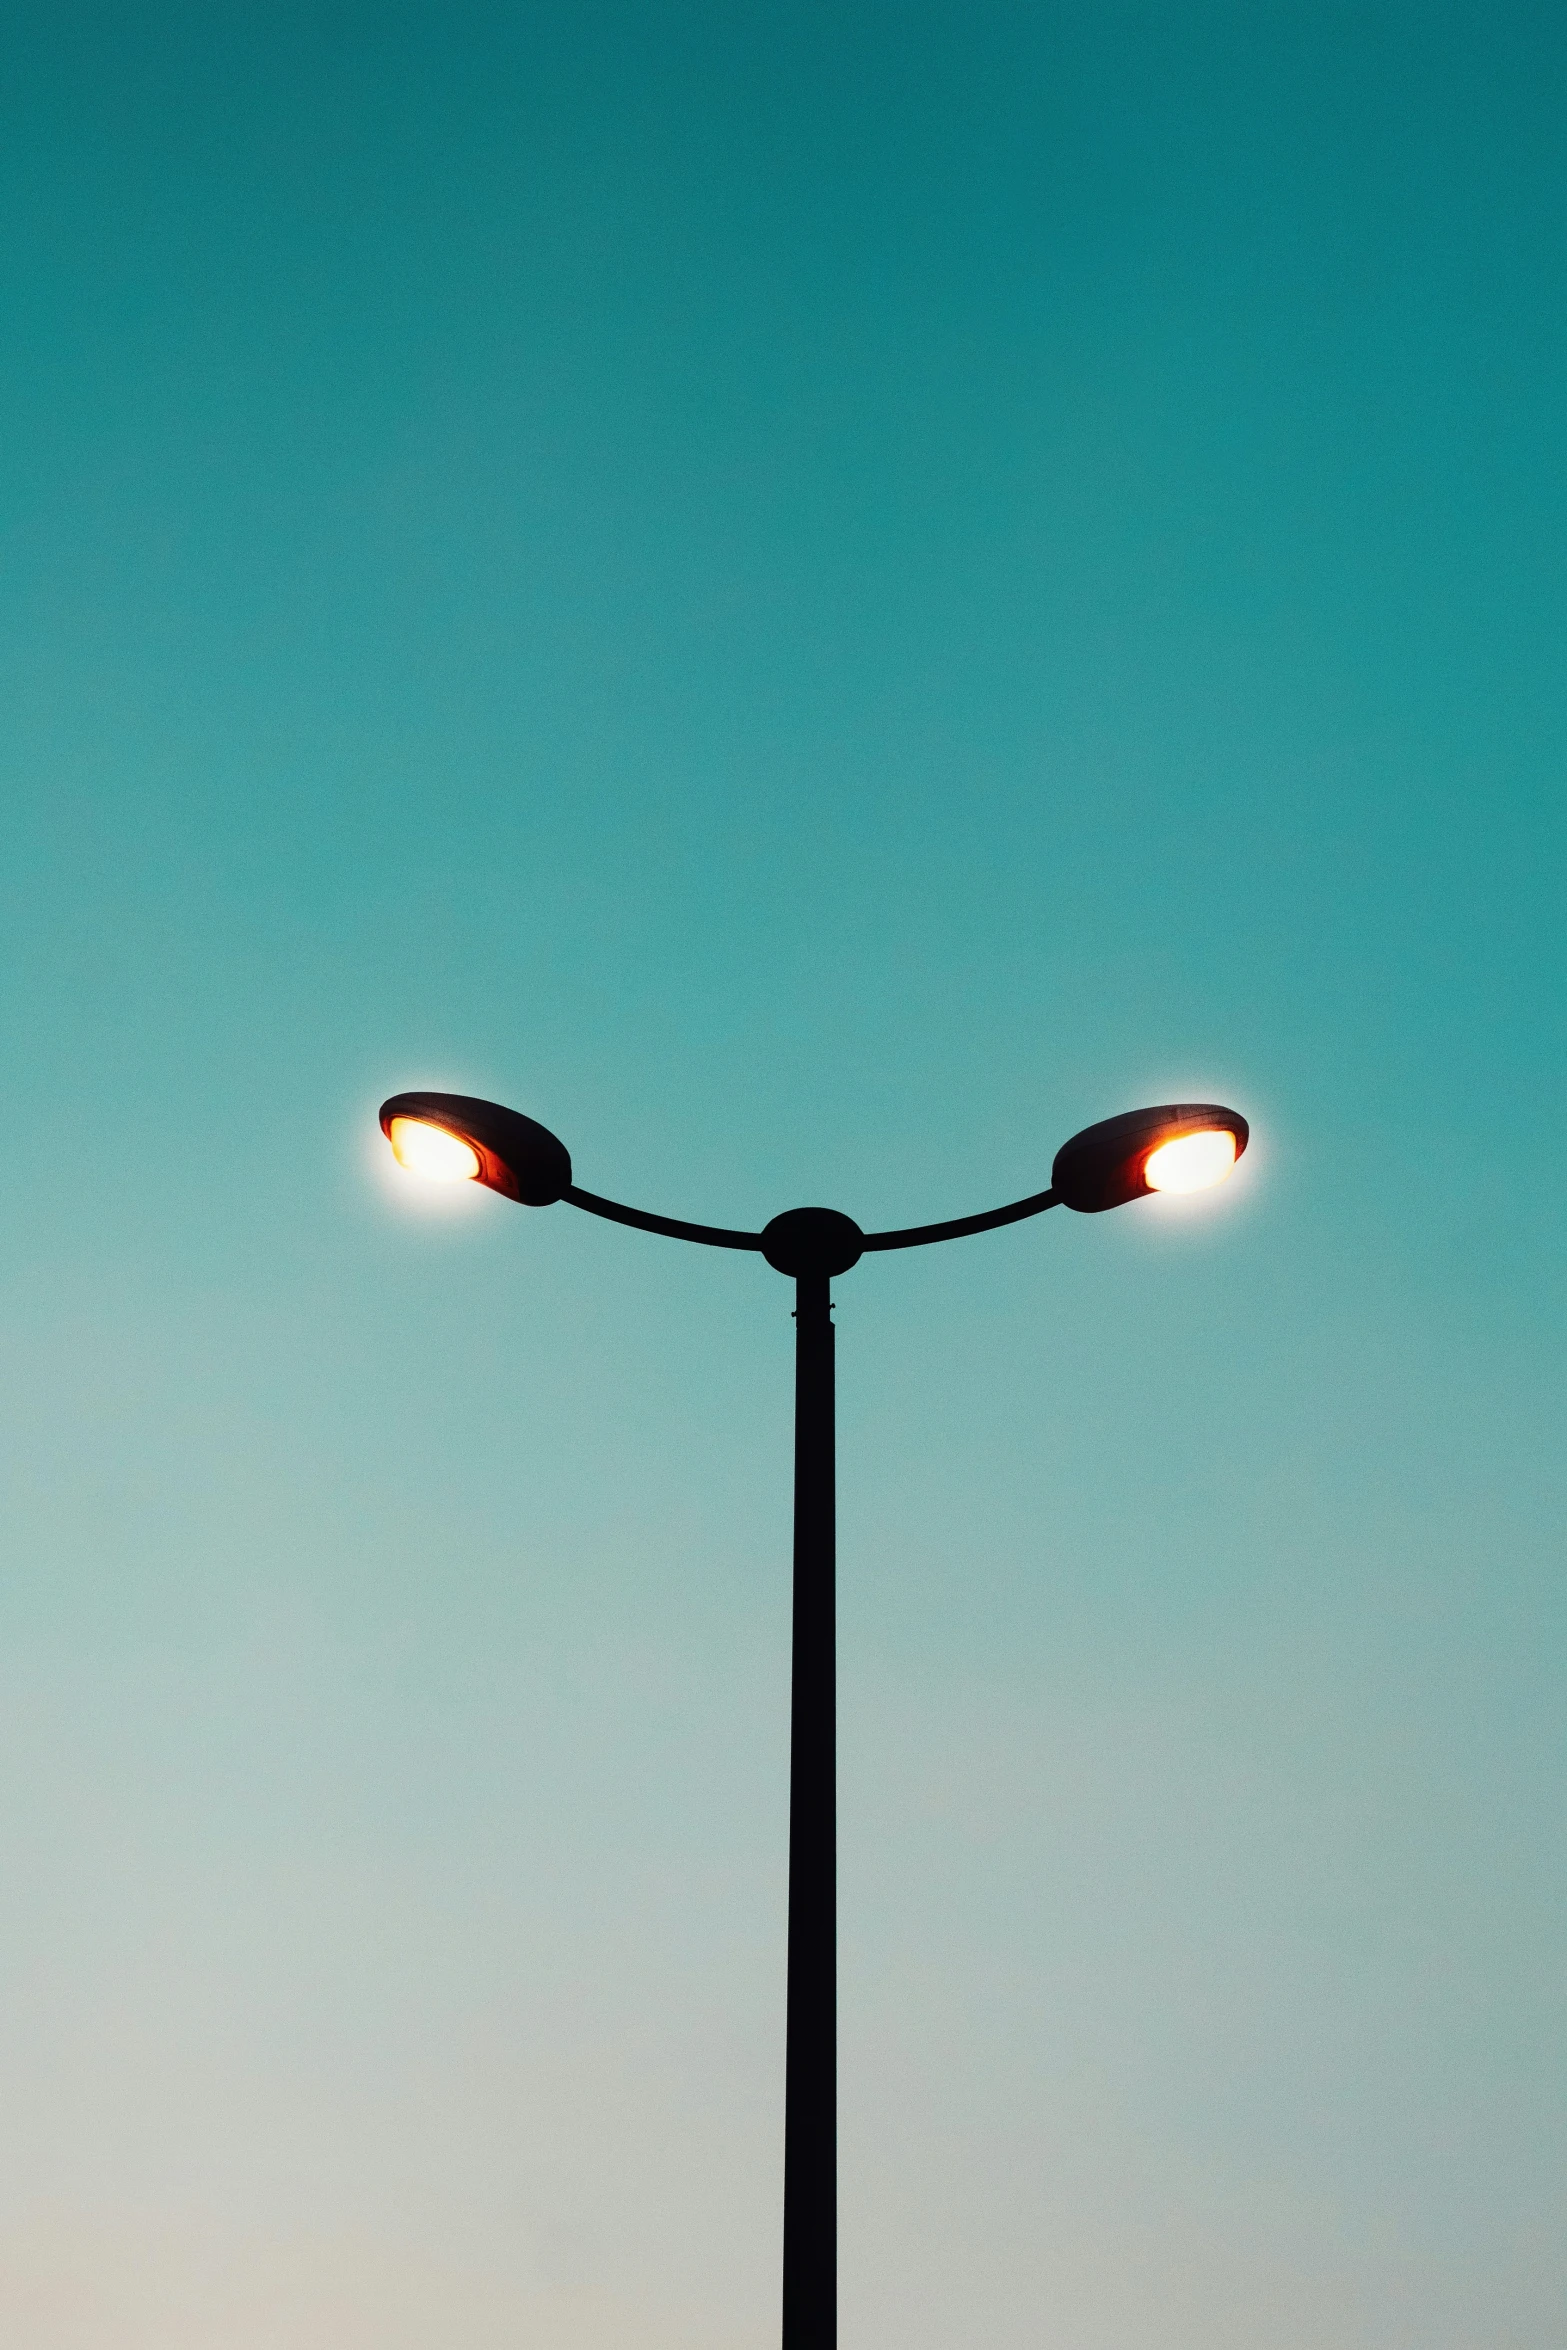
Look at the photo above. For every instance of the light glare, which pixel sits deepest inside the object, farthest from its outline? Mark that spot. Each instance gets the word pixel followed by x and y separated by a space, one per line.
pixel 1191 1162
pixel 430 1150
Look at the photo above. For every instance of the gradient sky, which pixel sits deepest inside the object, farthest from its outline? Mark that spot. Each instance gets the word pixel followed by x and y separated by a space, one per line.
pixel 817 596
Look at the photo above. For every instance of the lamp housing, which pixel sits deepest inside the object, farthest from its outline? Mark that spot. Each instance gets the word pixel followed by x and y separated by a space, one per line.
pixel 517 1157
pixel 1103 1167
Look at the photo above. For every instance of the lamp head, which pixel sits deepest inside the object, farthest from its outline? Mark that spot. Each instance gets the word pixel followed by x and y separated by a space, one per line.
pixel 452 1136
pixel 1185 1146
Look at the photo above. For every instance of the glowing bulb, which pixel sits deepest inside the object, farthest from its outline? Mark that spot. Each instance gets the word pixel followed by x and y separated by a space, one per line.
pixel 430 1150
pixel 1191 1162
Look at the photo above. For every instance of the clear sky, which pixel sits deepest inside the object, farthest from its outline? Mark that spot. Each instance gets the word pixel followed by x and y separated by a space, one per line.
pixel 817 596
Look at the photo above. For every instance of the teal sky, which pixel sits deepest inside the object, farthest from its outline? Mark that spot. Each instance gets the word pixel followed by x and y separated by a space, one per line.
pixel 818 597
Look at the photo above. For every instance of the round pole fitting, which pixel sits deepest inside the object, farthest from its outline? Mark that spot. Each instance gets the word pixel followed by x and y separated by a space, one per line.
pixel 807 1241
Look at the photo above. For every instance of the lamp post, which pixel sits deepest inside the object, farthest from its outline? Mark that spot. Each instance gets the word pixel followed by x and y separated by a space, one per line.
pixel 1183 1146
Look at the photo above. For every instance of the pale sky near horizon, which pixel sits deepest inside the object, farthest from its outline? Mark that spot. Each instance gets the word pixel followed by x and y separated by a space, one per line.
pixel 817 597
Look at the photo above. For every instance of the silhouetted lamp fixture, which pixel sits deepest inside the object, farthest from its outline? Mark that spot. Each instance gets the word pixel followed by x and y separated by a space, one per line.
pixel 1183 1146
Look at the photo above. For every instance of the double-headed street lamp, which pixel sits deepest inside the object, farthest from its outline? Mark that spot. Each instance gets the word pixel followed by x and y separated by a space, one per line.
pixel 1184 1146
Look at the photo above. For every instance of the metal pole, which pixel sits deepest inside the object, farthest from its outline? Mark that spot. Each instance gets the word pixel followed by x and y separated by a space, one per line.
pixel 810 2254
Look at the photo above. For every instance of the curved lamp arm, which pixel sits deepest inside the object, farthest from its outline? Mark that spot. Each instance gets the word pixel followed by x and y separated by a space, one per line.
pixel 916 1235
pixel 715 1235
pixel 718 1236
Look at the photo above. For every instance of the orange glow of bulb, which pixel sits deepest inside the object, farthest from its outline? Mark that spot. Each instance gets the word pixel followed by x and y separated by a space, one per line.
pixel 1191 1162
pixel 431 1150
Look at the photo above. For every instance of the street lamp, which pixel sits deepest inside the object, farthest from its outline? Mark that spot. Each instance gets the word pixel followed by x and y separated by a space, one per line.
pixel 1183 1146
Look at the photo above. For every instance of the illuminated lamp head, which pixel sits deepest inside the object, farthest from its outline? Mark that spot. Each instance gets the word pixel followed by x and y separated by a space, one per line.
pixel 1184 1146
pixel 430 1150
pixel 455 1138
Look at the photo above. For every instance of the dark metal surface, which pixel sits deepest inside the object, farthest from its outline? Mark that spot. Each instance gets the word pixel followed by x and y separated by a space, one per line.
pixel 916 1235
pixel 806 1241
pixel 805 1237
pixel 810 2226
pixel 715 1235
